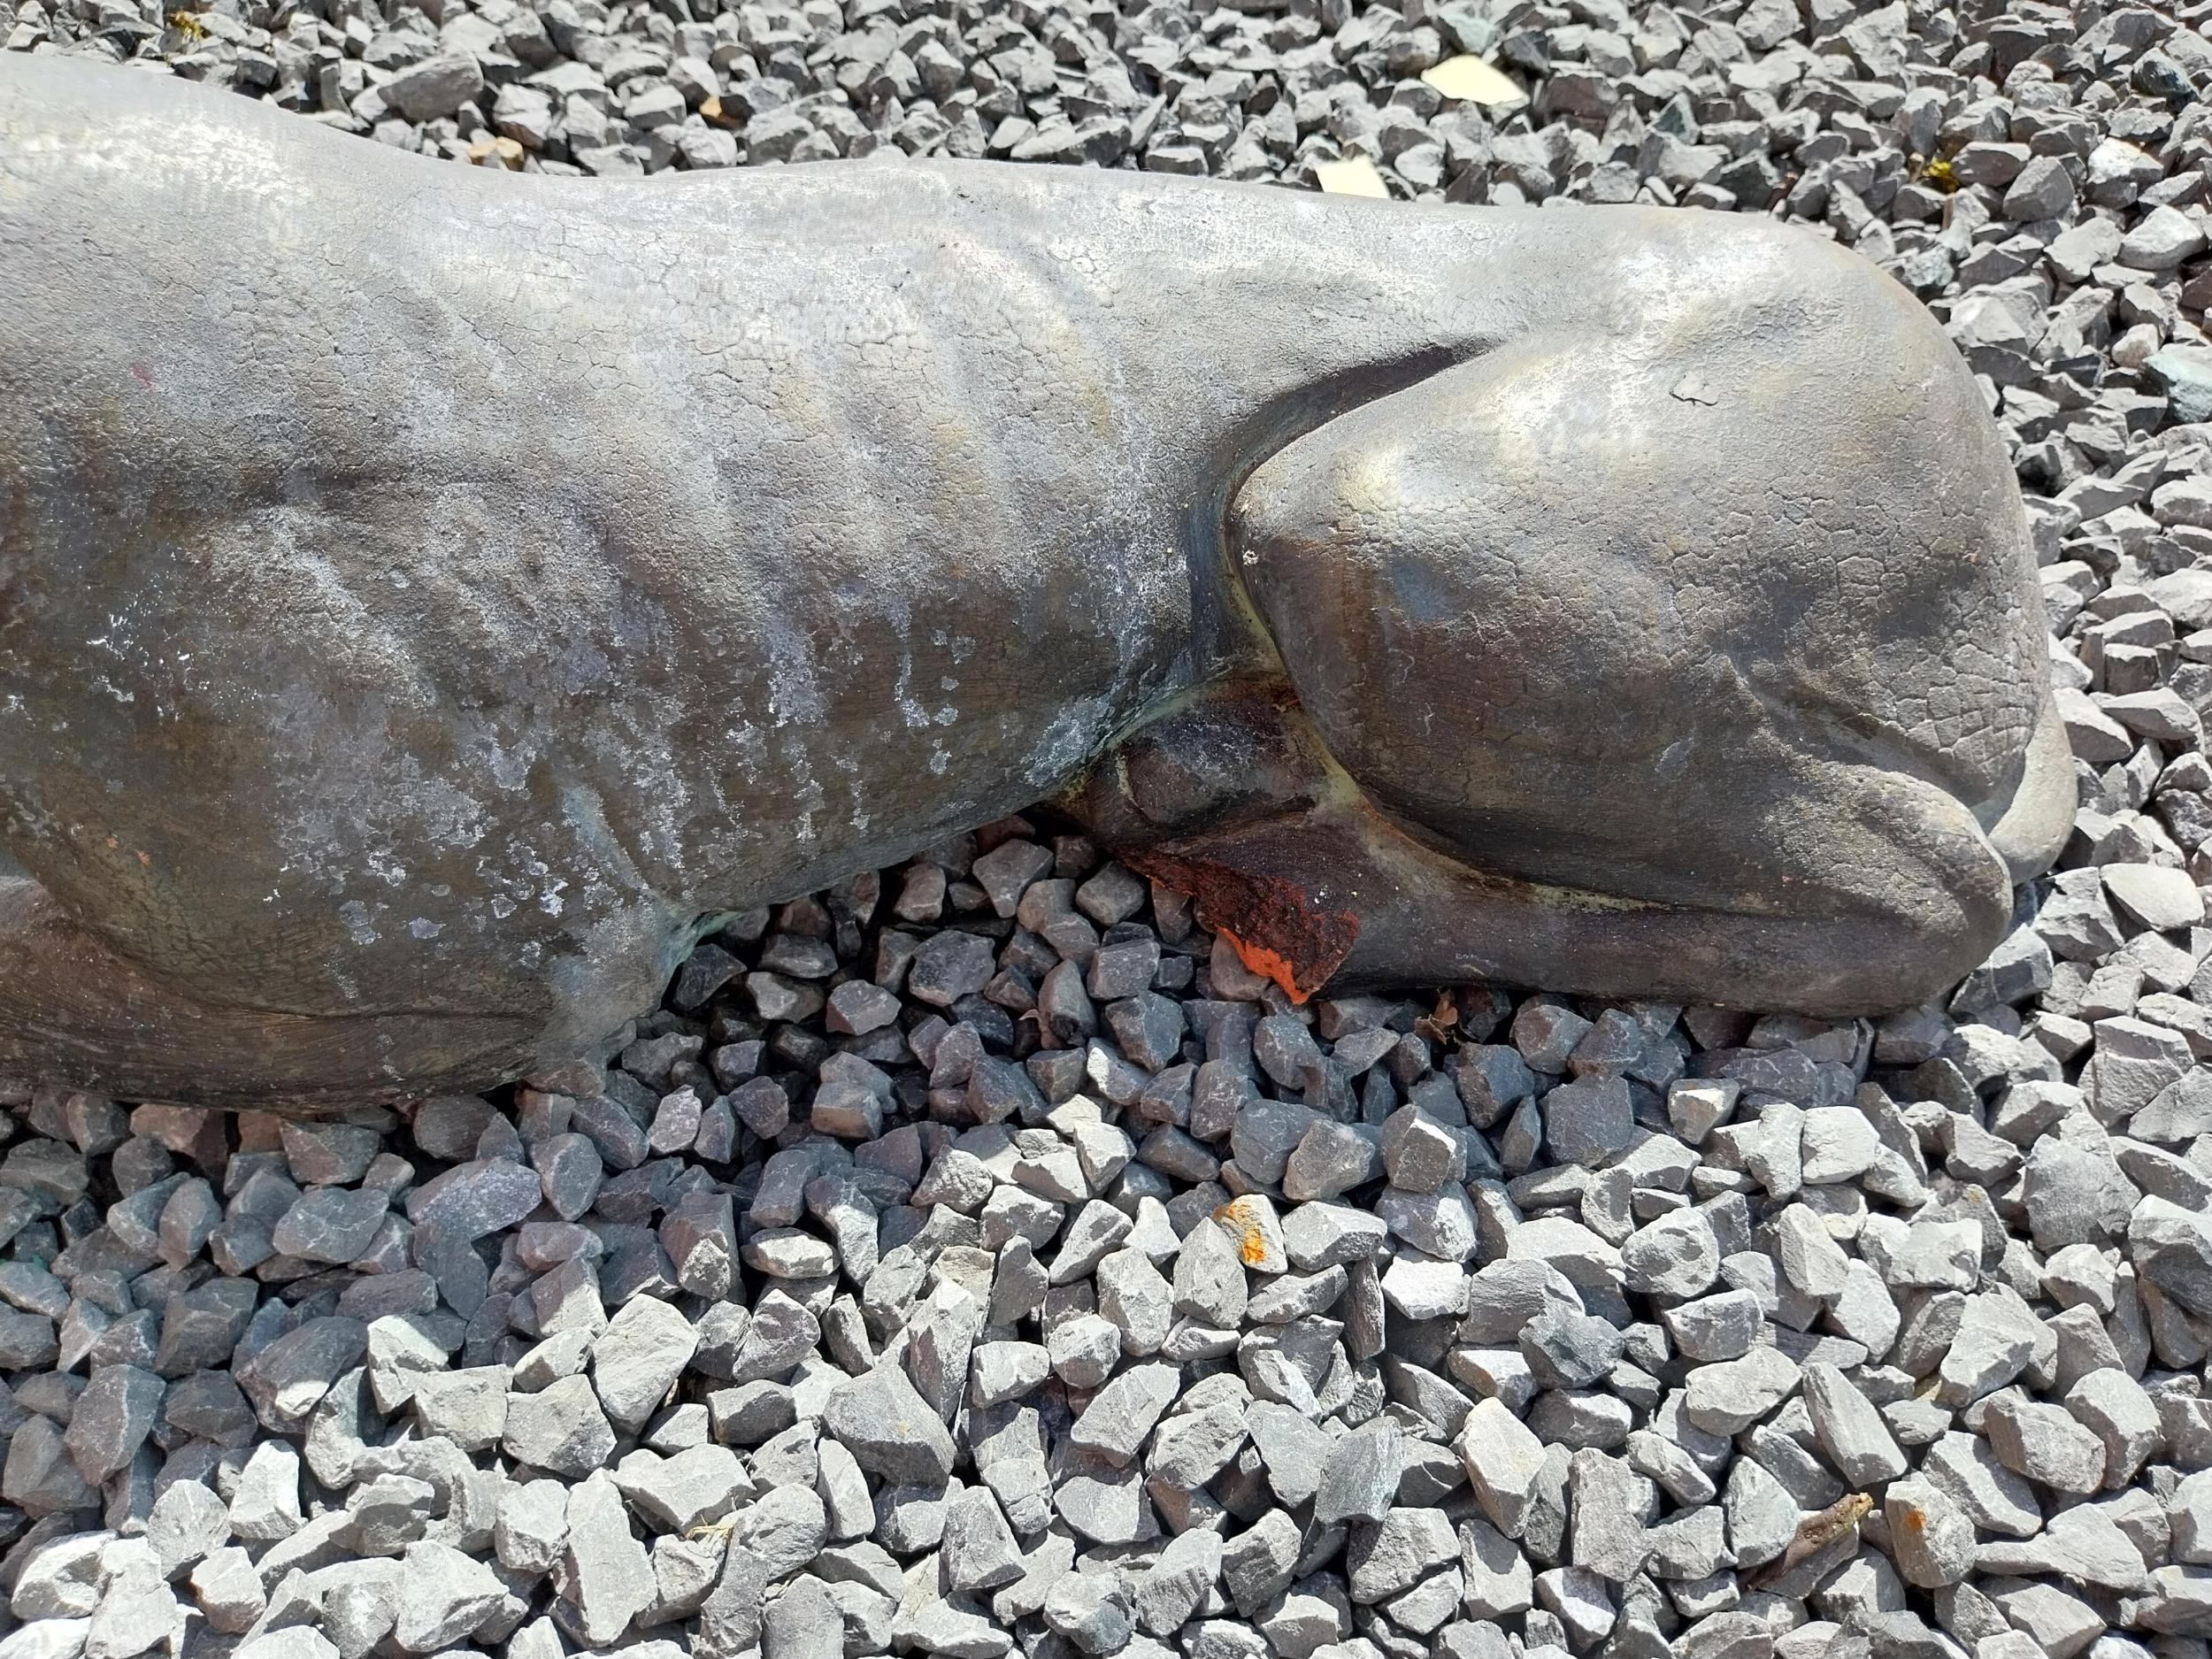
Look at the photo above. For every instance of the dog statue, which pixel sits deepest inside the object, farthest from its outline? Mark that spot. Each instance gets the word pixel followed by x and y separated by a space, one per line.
pixel 433 600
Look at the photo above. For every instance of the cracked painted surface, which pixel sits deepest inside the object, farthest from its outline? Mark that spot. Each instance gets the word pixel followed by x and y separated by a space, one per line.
pixel 428 597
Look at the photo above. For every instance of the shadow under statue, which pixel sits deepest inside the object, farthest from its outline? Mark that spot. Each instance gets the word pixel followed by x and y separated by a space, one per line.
pixel 432 599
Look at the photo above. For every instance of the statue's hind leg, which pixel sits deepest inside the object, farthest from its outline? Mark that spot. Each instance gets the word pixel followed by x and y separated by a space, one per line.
pixel 73 1012
pixel 1233 799
pixel 1702 661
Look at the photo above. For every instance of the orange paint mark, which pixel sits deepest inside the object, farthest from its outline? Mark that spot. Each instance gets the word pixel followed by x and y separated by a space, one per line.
pixel 1268 964
pixel 1251 1241
pixel 1275 926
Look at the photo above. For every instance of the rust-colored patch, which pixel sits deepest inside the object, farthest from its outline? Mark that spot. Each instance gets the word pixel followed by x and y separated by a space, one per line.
pixel 1251 1242
pixel 1275 928
pixel 1815 1533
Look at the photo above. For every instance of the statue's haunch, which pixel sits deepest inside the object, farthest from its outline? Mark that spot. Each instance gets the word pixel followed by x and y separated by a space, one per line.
pixel 430 599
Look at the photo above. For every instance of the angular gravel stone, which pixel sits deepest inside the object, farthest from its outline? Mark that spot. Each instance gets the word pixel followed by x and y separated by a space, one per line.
pixel 1318 1235
pixel 1811 1259
pixel 264 1504
pixel 1933 1540
pixel 1121 1415
pixel 2154 895
pixel 1332 1159
pixel 188 1523
pixel 637 1358
pixel 1589 1122
pixel 561 1429
pixel 1716 1327
pixel 1695 1108
pixel 949 966
pixel 474 1199
pixel 1837 1143
pixel 1000 1372
pixel 287 1378
pixel 2083 1546
pixel 63 1580
pixel 436 86
pixel 1391 1556
pixel 1171 1591
pixel 1762 1517
pixel 1419 1153
pixel 1570 1350
pixel 330 1224
pixel 1851 1431
pixel 2115 1408
pixel 2044 1444
pixel 1099 1501
pixel 229 1591
pixel 113 1418
pixel 1994 1497
pixel 610 1577
pixel 1292 1449
pixel 1359 1479
pixel 1091 1610
pixel 804 1622
pixel 1728 1397
pixel 979 1550
pixel 447 1595
pixel 1612 1506
pixel 1209 1285
pixel 1504 1463
pixel 1676 1256
pixel 1441 1224
pixel 531 1526
pixel 889 1429
pixel 468 1407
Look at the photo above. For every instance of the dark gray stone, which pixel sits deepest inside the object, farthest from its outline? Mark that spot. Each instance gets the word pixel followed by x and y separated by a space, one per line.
pixel 330 1224
pixel 113 1417
pixel 1589 1122
pixel 471 1200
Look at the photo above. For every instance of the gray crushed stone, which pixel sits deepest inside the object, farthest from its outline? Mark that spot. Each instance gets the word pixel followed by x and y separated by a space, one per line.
pixel 975 1257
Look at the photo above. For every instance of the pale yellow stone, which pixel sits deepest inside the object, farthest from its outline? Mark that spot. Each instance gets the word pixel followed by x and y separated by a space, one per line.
pixel 1467 77
pixel 1354 175
pixel 505 151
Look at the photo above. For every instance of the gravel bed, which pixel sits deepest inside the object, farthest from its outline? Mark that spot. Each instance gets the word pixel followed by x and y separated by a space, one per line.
pixel 976 1257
